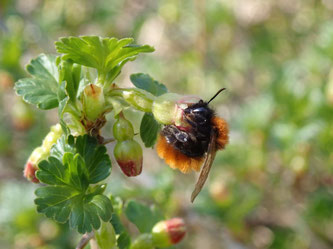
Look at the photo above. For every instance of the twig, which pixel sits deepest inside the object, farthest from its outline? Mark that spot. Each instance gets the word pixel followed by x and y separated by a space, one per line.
pixel 108 140
pixel 93 244
pixel 84 240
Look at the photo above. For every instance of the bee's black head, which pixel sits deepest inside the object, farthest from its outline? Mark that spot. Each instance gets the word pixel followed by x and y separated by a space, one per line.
pixel 199 113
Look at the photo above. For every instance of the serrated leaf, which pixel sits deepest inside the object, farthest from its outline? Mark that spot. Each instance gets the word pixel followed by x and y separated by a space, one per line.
pixel 68 174
pixel 56 201
pixel 103 54
pixel 97 160
pixel 71 82
pixel 62 146
pixel 145 82
pixel 42 89
pixel 71 74
pixel 142 216
pixel 63 203
pixel 53 172
pixel 149 128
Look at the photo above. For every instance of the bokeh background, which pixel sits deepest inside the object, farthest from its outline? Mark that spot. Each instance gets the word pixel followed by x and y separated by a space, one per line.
pixel 273 185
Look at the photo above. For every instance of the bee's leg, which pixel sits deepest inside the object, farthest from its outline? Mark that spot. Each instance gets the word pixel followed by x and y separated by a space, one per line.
pixel 193 124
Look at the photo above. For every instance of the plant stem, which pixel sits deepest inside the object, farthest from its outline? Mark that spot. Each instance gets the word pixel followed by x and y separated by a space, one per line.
pixel 108 140
pixel 84 240
pixel 93 244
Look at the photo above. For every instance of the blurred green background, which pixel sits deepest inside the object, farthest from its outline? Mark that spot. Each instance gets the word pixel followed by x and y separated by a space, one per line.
pixel 273 185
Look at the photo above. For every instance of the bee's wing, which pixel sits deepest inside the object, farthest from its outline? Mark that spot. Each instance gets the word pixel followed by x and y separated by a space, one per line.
pixel 211 152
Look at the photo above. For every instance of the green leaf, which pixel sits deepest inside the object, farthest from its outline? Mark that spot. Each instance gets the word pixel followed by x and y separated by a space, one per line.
pixel 149 128
pixel 124 241
pixel 42 89
pixel 104 54
pixel 71 81
pixel 97 161
pixel 145 82
pixel 56 202
pixel 72 166
pixel 116 223
pixel 106 237
pixel 62 146
pixel 142 216
pixel 63 203
pixel 53 172
pixel 71 74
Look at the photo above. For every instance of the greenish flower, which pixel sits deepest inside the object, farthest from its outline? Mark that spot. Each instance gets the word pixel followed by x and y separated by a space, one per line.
pixel 129 157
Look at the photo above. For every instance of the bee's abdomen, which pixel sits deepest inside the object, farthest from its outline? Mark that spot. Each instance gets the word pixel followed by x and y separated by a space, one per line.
pixel 191 143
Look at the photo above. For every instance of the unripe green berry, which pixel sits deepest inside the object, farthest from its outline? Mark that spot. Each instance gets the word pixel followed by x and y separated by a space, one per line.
pixel 123 129
pixel 129 157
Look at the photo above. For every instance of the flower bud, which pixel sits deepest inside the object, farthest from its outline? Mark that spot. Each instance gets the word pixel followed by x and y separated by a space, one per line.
pixel 30 172
pixel 93 101
pixel 51 138
pixel 138 98
pixel 168 232
pixel 31 166
pixel 144 241
pixel 168 108
pixel 129 157
pixel 41 153
pixel 73 123
pixel 123 129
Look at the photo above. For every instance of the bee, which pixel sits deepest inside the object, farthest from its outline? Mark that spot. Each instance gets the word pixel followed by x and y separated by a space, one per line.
pixel 194 144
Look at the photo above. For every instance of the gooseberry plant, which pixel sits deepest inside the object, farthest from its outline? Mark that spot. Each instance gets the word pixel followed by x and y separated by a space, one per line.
pixel 72 163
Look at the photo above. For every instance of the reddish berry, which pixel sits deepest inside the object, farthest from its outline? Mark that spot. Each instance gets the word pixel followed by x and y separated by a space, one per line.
pixel 129 157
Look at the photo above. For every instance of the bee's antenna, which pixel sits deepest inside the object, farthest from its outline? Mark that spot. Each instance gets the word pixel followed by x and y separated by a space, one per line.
pixel 218 92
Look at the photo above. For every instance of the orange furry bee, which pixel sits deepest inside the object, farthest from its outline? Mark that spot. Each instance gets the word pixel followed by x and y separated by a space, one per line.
pixel 195 143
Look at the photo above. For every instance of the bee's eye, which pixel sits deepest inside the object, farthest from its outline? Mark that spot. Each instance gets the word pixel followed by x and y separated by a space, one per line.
pixel 200 110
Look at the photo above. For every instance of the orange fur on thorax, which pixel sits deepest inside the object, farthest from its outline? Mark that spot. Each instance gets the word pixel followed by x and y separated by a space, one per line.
pixel 222 130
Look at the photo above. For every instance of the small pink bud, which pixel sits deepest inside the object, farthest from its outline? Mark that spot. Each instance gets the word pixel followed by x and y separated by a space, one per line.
pixel 29 172
pixel 129 157
pixel 168 232
pixel 42 152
